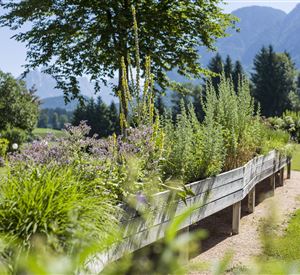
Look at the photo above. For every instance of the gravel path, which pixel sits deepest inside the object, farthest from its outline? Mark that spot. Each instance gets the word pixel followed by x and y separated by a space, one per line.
pixel 246 245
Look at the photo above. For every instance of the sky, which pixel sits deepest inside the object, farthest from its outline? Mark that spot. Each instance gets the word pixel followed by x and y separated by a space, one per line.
pixel 13 54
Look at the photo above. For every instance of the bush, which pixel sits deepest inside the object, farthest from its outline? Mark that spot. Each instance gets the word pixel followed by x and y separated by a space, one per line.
pixel 56 205
pixel 194 151
pixel 15 135
pixel 234 114
pixel 3 147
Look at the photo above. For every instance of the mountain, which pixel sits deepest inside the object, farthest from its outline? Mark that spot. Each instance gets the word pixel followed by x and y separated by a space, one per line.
pixel 260 26
pixel 50 96
pixel 59 102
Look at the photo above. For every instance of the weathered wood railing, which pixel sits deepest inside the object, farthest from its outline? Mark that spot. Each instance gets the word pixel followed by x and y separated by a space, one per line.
pixel 211 195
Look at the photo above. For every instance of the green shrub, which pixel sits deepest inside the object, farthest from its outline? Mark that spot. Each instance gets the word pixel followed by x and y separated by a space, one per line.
pixel 3 146
pixel 56 205
pixel 234 114
pixel 273 139
pixel 15 135
pixel 194 150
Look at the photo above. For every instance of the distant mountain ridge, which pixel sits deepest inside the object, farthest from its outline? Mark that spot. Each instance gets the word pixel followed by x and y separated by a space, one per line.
pixel 58 102
pixel 260 26
pixel 45 86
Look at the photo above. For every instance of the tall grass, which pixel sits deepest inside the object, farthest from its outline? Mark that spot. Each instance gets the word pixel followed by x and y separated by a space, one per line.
pixel 55 205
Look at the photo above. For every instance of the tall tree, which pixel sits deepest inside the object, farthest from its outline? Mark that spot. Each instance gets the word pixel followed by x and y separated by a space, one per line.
pixel 228 67
pixel 273 79
pixel 18 106
pixel 216 66
pixel 238 73
pixel 114 119
pixel 160 105
pixel 72 38
pixel 102 119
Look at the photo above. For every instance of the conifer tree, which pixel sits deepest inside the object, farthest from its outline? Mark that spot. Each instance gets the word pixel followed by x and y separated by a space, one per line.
pixel 273 79
pixel 216 66
pixel 228 67
pixel 238 74
pixel 160 105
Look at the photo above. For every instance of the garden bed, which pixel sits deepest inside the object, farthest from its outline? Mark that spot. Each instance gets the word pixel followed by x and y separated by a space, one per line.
pixel 210 196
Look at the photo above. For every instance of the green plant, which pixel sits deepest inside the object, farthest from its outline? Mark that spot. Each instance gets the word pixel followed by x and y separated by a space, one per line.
pixel 234 114
pixel 15 135
pixel 3 146
pixel 56 205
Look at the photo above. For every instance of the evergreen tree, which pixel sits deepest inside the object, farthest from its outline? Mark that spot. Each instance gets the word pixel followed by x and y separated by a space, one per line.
pixel 228 67
pixel 216 66
pixel 238 73
pixel 102 119
pixel 197 94
pixel 55 122
pixel 160 105
pixel 178 101
pixel 273 79
pixel 43 121
pixel 114 119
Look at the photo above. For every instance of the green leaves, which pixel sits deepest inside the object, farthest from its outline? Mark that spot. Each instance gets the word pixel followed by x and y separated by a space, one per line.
pixel 90 37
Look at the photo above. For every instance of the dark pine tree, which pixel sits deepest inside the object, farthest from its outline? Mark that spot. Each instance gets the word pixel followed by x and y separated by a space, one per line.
pixel 114 119
pixel 102 119
pixel 273 79
pixel 238 73
pixel 216 66
pixel 228 67
pixel 160 106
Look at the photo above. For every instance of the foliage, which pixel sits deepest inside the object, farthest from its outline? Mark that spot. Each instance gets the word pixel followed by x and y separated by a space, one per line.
pixel 56 205
pixel 296 158
pixel 92 37
pixel 123 166
pixel 54 118
pixel 273 139
pixel 18 106
pixel 290 122
pixel 273 79
pixel 15 135
pixel 216 66
pixel 233 71
pixel 102 119
pixel 3 147
pixel 235 114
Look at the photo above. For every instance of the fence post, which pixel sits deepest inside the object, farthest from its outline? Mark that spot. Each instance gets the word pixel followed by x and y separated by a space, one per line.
pixel 289 168
pixel 273 183
pixel 281 177
pixel 251 200
pixel 236 216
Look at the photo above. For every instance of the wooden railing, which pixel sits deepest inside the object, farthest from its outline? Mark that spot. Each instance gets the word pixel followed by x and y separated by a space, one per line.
pixel 210 196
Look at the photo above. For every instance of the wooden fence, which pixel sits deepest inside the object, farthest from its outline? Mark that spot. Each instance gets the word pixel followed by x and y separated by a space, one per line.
pixel 210 196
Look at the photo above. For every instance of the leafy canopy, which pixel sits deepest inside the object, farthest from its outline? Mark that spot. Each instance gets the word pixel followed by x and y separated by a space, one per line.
pixel 73 38
pixel 18 106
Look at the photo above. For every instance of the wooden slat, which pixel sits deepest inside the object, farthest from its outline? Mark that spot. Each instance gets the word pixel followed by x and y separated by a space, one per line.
pixel 212 195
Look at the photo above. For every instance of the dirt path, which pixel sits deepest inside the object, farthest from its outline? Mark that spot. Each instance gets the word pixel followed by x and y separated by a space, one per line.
pixel 246 245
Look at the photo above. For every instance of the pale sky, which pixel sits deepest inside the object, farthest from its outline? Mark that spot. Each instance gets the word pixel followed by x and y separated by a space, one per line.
pixel 285 5
pixel 12 53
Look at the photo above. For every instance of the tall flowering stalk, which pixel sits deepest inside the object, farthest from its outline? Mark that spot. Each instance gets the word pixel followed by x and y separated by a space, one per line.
pixel 134 100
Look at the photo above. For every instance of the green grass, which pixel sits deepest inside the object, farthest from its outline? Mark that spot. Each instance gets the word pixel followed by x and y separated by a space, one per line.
pixel 286 247
pixel 43 132
pixel 296 158
pixel 3 171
